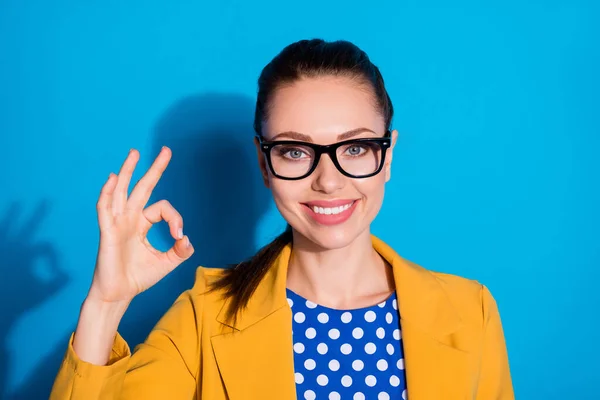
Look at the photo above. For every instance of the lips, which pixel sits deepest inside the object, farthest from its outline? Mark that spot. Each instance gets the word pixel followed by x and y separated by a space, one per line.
pixel 330 212
pixel 329 203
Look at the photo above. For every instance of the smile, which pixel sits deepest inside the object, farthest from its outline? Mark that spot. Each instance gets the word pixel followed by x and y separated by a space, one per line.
pixel 331 210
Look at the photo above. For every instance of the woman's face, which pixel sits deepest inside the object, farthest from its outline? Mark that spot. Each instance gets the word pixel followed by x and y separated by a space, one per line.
pixel 321 109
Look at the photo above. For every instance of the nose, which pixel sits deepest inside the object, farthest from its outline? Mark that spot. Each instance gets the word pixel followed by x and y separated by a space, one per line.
pixel 326 177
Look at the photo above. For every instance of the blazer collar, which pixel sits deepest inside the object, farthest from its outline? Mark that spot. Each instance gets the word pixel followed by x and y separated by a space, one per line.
pixel 269 296
pixel 255 358
pixel 422 301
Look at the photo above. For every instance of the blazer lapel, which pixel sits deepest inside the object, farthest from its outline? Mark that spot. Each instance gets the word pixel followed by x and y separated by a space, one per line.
pixel 255 355
pixel 257 362
pixel 435 369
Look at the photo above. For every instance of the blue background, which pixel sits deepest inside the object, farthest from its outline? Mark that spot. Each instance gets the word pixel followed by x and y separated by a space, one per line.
pixel 495 172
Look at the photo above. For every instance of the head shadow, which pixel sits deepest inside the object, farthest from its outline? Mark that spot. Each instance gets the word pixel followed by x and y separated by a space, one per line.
pixel 214 181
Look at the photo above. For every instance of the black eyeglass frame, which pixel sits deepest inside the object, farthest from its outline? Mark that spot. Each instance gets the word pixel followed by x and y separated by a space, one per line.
pixel 330 149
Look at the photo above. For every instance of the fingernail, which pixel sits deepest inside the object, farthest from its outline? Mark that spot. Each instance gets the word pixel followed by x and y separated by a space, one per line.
pixel 180 233
pixel 187 242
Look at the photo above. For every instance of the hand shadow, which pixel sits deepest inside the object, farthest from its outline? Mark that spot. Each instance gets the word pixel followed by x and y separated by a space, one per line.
pixel 29 274
pixel 214 181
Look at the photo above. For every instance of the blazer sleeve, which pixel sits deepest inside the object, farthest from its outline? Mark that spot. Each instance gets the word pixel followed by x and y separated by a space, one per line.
pixel 494 380
pixel 164 366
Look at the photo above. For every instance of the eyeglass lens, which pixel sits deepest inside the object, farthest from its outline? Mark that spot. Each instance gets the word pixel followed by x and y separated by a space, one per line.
pixel 357 159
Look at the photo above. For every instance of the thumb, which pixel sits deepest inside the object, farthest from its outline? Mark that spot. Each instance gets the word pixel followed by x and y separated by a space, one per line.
pixel 181 251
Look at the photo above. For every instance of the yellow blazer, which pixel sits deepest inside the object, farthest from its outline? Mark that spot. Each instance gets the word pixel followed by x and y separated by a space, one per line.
pixel 453 344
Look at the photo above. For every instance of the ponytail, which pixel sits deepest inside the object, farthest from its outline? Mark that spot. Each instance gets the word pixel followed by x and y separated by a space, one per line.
pixel 239 282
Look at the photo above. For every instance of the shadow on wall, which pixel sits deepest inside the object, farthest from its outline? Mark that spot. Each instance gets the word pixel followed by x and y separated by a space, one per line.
pixel 30 273
pixel 213 181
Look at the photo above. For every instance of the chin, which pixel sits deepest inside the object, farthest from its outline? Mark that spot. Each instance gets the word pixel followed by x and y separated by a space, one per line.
pixel 331 238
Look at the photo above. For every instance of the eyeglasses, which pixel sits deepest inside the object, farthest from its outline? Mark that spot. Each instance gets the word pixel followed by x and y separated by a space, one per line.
pixel 354 158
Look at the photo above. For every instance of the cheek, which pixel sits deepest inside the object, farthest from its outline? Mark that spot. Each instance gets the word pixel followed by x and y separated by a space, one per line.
pixel 372 188
pixel 372 193
pixel 286 194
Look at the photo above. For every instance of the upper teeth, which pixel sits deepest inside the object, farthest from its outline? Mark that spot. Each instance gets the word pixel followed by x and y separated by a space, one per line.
pixel 332 210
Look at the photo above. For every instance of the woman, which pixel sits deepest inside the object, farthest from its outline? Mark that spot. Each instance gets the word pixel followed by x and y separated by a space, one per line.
pixel 325 311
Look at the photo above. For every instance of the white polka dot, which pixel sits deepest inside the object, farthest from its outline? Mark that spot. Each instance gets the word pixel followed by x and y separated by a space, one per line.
pixel 299 317
pixel 290 302
pixel 381 305
pixel 346 349
pixel 400 363
pixel 380 333
pixel 310 364
pixel 370 348
pixel 310 395
pixel 334 333
pixel 394 381
pixel 357 333
pixel 404 394
pixel 323 318
pixel 310 304
pixel 322 380
pixel 395 304
pixel 389 318
pixel 346 381
pixel 396 334
pixel 311 333
pixel 346 317
pixel 334 365
pixel 370 316
pixel 370 380
pixel 358 396
pixel 299 378
pixel 390 349
pixel 383 396
pixel 322 348
pixel 382 365
pixel 358 365
pixel 334 396
pixel 299 348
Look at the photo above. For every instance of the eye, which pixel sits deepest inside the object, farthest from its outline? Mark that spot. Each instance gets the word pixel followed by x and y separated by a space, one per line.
pixel 356 150
pixel 295 153
pixel 292 153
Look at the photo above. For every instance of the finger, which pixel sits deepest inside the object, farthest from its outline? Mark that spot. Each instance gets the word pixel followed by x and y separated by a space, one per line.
pixel 143 189
pixel 104 204
pixel 33 222
pixel 181 251
pixel 163 210
pixel 124 178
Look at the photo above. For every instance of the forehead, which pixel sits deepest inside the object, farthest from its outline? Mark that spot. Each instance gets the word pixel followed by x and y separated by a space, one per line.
pixel 323 108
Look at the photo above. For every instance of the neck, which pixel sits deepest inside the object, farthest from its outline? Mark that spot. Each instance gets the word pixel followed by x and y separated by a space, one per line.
pixel 353 276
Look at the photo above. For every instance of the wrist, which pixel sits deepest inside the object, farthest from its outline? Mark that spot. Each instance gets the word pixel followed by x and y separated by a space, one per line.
pixel 106 311
pixel 96 329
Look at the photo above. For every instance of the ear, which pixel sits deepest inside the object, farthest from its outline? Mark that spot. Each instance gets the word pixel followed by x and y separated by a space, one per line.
pixel 389 156
pixel 262 163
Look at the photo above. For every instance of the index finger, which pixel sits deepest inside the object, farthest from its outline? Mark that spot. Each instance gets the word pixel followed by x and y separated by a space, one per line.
pixel 143 189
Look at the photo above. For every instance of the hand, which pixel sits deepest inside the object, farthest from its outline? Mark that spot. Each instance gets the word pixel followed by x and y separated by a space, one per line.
pixel 127 264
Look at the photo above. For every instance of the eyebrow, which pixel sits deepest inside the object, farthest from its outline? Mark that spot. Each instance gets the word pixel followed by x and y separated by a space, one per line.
pixel 306 138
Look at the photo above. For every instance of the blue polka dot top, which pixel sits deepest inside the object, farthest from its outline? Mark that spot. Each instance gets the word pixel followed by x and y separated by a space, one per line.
pixel 347 354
